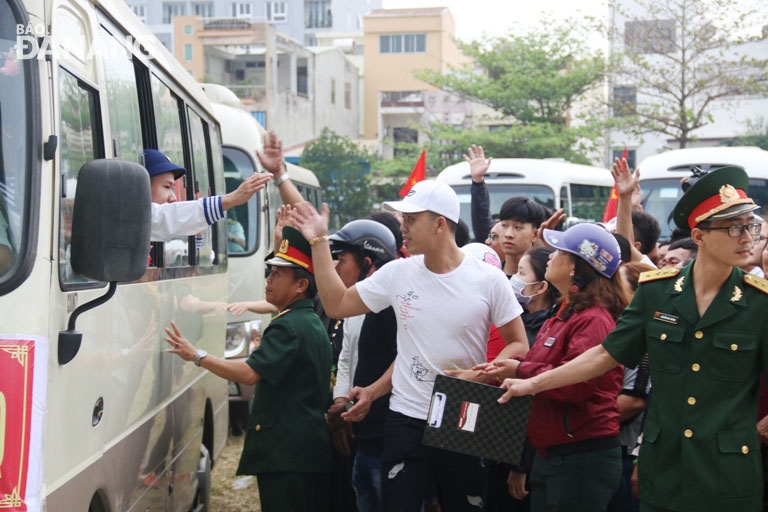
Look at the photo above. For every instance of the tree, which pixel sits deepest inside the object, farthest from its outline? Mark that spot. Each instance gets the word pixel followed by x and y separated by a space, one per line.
pixel 756 135
pixel 342 169
pixel 683 56
pixel 531 80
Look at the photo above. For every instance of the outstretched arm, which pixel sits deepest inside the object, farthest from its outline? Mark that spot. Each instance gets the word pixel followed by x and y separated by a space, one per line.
pixel 272 160
pixel 237 371
pixel 592 363
pixel 245 191
pixel 482 221
pixel 338 300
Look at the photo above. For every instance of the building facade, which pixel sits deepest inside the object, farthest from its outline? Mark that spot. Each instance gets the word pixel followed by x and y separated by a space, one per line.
pixel 658 36
pixel 303 20
pixel 398 42
pixel 291 89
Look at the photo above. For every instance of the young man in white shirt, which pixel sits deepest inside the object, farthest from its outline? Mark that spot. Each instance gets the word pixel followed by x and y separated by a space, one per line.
pixel 444 304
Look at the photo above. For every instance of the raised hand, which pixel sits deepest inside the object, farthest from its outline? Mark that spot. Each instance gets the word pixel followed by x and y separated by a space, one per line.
pixel 478 164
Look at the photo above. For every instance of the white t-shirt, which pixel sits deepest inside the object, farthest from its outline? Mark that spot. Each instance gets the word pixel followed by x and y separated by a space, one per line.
pixel 443 321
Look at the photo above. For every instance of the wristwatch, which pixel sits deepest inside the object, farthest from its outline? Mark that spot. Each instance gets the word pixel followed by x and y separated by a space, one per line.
pixel 199 356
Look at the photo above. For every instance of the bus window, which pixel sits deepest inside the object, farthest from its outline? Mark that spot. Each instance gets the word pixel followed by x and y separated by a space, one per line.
pixel 79 144
pixel 214 144
pixel 202 186
pixel 122 100
pixel 588 201
pixel 170 142
pixel 13 142
pixel 242 228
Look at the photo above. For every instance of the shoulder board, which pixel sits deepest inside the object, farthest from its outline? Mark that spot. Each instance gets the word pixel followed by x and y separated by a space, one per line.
pixel 654 275
pixel 756 282
pixel 283 312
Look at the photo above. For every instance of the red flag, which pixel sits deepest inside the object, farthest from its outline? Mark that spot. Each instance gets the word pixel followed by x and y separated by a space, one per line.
pixel 613 199
pixel 419 173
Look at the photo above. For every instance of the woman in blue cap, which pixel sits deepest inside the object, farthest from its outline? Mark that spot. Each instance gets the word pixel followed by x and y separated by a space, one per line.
pixel 575 429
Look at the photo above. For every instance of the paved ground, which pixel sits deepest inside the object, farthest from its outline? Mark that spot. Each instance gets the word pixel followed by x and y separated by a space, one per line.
pixel 230 493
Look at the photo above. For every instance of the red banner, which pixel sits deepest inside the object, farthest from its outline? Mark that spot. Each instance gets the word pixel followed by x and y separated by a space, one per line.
pixel 17 363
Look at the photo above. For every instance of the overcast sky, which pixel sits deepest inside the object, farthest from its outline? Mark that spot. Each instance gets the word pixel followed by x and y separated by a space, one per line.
pixel 497 17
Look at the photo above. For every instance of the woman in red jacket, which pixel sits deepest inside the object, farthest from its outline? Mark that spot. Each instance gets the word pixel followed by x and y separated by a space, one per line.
pixel 575 429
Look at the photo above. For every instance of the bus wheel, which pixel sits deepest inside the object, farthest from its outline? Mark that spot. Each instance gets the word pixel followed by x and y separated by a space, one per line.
pixel 203 496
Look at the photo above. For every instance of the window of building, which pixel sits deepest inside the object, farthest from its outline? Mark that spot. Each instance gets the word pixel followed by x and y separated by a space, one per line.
pixel 650 36
pixel 347 95
pixel 333 91
pixel 187 52
pixel 241 10
pixel 277 12
pixel 624 101
pixel 204 9
pixel 403 43
pixel 171 9
pixel 317 14
pixel 140 11
pixel 407 136
pixel 187 29
pixel 302 86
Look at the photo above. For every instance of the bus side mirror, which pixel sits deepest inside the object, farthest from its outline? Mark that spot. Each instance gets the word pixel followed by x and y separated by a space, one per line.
pixel 111 225
pixel 111 221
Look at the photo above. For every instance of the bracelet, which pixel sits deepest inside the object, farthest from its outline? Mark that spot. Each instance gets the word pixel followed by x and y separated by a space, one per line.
pixel 279 181
pixel 319 239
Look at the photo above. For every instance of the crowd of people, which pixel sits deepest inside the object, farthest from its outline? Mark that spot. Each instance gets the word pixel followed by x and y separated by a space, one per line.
pixel 644 359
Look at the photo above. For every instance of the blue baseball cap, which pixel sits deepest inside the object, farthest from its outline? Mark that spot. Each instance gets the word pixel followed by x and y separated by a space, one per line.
pixel 157 163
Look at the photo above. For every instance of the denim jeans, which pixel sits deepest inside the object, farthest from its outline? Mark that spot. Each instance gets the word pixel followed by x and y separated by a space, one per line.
pixel 366 479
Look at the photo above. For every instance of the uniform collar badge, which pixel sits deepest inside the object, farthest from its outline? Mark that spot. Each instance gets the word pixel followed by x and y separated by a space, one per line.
pixel 736 297
pixel 679 284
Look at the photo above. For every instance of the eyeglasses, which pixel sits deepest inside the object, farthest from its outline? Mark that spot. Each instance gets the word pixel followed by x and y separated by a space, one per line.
pixel 736 230
pixel 492 237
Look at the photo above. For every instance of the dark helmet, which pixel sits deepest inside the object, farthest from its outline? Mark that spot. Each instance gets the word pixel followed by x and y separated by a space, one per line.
pixel 589 242
pixel 369 237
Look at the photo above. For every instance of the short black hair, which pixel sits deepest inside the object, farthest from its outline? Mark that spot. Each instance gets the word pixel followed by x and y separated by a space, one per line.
pixel 462 233
pixel 624 249
pixel 684 243
pixel 301 273
pixel 523 209
pixel 646 230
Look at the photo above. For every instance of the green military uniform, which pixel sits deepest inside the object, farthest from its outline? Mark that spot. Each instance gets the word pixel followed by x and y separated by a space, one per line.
pixel 700 448
pixel 286 430
pixel 287 444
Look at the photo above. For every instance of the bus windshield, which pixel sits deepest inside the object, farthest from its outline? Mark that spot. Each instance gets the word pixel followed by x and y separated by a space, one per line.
pixel 661 195
pixel 499 193
pixel 14 152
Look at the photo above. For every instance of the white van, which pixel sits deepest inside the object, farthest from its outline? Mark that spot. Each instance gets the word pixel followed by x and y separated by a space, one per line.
pixel 660 176
pixel 95 414
pixel 580 190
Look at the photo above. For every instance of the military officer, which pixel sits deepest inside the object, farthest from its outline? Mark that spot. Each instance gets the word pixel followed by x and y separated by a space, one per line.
pixel 287 444
pixel 705 330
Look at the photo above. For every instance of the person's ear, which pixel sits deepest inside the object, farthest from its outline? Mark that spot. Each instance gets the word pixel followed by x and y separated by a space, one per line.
pixel 637 245
pixel 303 285
pixel 368 266
pixel 697 236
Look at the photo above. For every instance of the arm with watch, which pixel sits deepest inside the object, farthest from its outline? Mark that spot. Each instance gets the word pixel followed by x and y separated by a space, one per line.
pixel 237 371
pixel 272 161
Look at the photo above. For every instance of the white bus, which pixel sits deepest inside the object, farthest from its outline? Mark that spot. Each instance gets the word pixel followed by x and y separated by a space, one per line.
pixel 107 420
pixel 580 190
pixel 660 176
pixel 250 225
